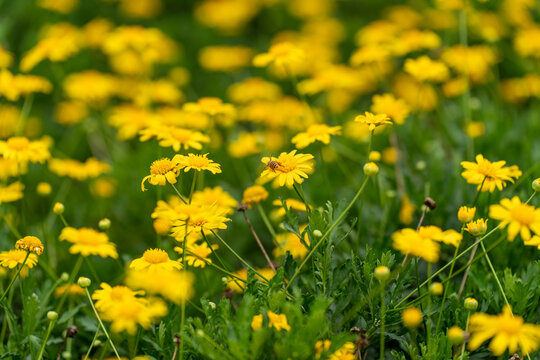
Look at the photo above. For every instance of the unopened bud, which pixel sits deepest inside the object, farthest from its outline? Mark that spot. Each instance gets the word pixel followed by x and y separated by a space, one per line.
pixel 84 282
pixel 536 185
pixel 317 233
pixel 58 208
pixel 456 335
pixel 470 304
pixel 104 224
pixel 436 289
pixel 64 276
pixel 52 315
pixel 381 273
pixel 44 189
pixel 430 203
pixel 371 169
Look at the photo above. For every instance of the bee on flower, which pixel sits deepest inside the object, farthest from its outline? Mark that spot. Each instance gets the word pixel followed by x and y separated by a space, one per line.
pixel 287 168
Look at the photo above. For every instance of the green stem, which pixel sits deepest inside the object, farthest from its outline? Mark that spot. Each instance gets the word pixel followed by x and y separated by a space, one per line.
pixel 370 144
pixel 63 220
pixel 70 281
pixel 466 329
pixel 92 344
pixel 269 226
pixel 428 310
pixel 382 325
pixel 494 273
pixel 49 330
pixel 15 277
pixel 327 233
pixel 300 192
pixel 193 183
pixel 178 193
pixel 101 323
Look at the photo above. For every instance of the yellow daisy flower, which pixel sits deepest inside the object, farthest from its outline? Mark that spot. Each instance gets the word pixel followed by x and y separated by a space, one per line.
pixel 154 261
pixel 395 108
pixel 12 192
pixel 425 69
pixel 373 120
pixel 316 132
pixel 409 242
pixel 521 218
pixel 283 54
pixel 278 321
pixel 175 137
pixel 174 285
pixel 197 255
pixel 72 289
pixel 508 331
pixel 490 174
pixel 254 195
pixel 24 150
pixel 12 258
pixel 292 204
pixel 162 171
pixel 215 196
pixel 288 169
pixel 125 316
pixel 203 219
pixel 88 241
pixel 75 169
pixel 449 237
pixel 197 162
pixel 30 244
pixel 108 296
pixel 291 243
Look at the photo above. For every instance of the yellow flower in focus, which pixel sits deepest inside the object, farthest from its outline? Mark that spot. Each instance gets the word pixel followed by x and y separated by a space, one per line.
pixel 425 69
pixel 283 55
pixel 154 261
pixel 507 331
pixel 30 244
pixel 521 218
pixel 162 171
pixel 12 258
pixel 88 241
pixel 256 322
pixel 373 120
pixel 477 228
pixel 23 150
pixel 254 195
pixel 278 322
pixel 291 168
pixel 409 242
pixel 316 132
pixel 174 285
pixel 396 109
pixel 466 214
pixel 175 137
pixel 489 175
pixel 197 162
pixel 475 129
pixel 12 192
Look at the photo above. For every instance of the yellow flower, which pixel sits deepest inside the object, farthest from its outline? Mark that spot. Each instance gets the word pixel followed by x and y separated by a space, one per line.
pixel 12 192
pixel 521 218
pixel 533 241
pixel 88 241
pixel 108 296
pixel 373 120
pixel 288 168
pixel 215 196
pixel 197 255
pixel 75 169
pixel 254 195
pixel 125 316
pixel 71 289
pixel 449 237
pixel 90 87
pixel 475 129
pixel 489 175
pixel 292 204
pixel 179 138
pixel 477 228
pixel 466 214
pixel 396 109
pixel 252 89
pixel 283 55
pixel 425 69
pixel 30 244
pixel 225 58
pixel 411 317
pixel 257 322
pixel 174 285
pixel 12 258
pixel 198 162
pixel 237 285
pixel 154 261
pixel 316 132
pixel 406 211
pixel 291 243
pixel 23 150
pixel 409 242
pixel 278 322
pixel 61 6
pixel 199 219
pixel 162 171
pixel 507 330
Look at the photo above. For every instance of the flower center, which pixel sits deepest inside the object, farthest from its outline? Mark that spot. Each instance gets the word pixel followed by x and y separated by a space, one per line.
pixel 18 143
pixel 120 293
pixel 198 222
pixel 523 213
pixel 287 165
pixel 198 162
pixel 161 167
pixel 155 256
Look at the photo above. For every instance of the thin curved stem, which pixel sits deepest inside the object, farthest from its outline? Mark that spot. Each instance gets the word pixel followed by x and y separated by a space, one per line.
pixel 15 276
pixel 101 323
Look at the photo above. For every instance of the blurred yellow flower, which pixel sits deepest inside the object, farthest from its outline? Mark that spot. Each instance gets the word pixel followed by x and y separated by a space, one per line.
pixel 256 322
pixel 154 261
pixel 291 243
pixel 254 195
pixel 409 242
pixel 395 108
pixel 174 285
pixel 12 192
pixel 315 132
pixel 88 242
pixel 197 255
pixel 278 321
pixel 475 129
pixel 225 58
pixel 23 150
pixel 282 55
pixel 373 120
pixel 75 169
pixel 521 218
pixel 425 69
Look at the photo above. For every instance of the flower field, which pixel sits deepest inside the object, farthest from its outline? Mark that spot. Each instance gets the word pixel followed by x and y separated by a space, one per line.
pixel 269 179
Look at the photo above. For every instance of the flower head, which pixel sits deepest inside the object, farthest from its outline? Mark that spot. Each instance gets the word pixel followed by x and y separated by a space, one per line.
pixel 521 218
pixel 88 241
pixel 489 175
pixel 30 244
pixel 254 195
pixel 278 321
pixel 24 150
pixel 395 108
pixel 162 171
pixel 477 228
pixel 409 241
pixel 12 192
pixel 316 132
pixel 197 255
pixel 412 317
pixel 198 162
pixel 425 69
pixel 466 214
pixel 154 261
pixel 508 331
pixel 174 285
pixel 373 120
pixel 13 258
pixel 283 54
pixel 288 168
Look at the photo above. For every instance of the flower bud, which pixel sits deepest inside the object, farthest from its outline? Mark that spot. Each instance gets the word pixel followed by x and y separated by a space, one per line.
pixel 412 317
pixel 371 169
pixel 104 224
pixel 66 355
pixel 52 315
pixel 466 214
pixel 64 276
pixel 536 185
pixel 470 304
pixel 382 273
pixel 84 282
pixel 436 289
pixel 44 189
pixel 58 208
pixel 420 165
pixel 97 343
pixel 374 156
pixel 456 335
pixel 317 233
pixel 477 228
pixel 430 203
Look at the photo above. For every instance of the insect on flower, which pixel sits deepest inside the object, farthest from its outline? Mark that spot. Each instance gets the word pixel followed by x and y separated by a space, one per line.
pixel 272 164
